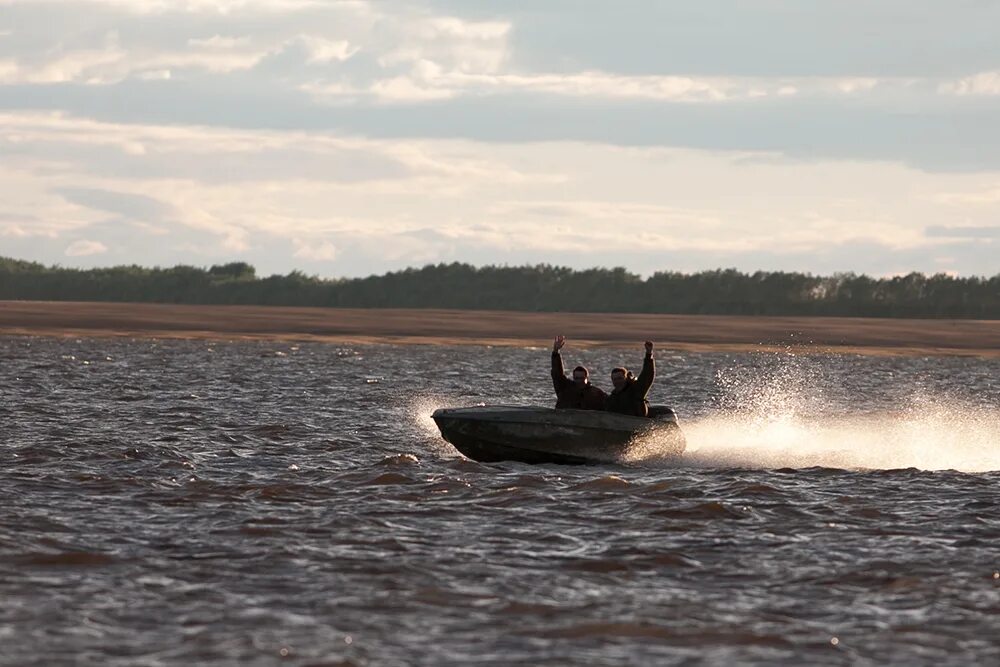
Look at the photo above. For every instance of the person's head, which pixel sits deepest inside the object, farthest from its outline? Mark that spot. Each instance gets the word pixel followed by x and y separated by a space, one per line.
pixel 581 376
pixel 619 376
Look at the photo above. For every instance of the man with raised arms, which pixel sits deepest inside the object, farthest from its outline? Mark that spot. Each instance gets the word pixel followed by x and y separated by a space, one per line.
pixel 577 393
pixel 629 395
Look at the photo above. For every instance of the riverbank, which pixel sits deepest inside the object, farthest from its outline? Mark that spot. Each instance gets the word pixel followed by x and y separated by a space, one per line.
pixel 457 327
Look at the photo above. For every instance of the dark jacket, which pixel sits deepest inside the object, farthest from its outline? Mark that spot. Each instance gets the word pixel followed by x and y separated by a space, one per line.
pixel 631 399
pixel 568 395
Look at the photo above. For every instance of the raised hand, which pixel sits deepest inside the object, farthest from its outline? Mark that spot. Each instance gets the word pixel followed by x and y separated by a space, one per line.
pixel 649 347
pixel 558 342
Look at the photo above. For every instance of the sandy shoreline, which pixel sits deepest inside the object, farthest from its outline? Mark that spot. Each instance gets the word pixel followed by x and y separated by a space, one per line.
pixel 457 327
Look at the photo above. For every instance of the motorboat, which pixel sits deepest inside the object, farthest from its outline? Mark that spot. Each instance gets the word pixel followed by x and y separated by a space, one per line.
pixel 491 433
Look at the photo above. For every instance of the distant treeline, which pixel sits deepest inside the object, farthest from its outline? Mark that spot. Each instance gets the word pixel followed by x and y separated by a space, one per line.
pixel 526 288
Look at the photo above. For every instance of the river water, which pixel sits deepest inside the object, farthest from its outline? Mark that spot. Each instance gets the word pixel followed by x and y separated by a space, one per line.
pixel 184 502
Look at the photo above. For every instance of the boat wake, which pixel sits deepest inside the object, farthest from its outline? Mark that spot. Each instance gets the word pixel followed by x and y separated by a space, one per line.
pixel 791 416
pixel 945 438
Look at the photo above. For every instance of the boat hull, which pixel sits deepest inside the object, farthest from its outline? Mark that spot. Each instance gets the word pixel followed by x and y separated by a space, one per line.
pixel 545 435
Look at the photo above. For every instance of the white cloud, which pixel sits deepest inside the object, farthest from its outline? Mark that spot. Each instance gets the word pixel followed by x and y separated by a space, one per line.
pixel 187 6
pixel 985 196
pixel 413 56
pixel 84 248
pixel 297 185
pixel 857 84
pixel 401 89
pixel 156 75
pixel 342 197
pixel 483 31
pixel 302 35
pixel 327 51
pixel 435 200
pixel 114 64
pixel 14 229
pixel 8 70
pixel 601 84
pixel 86 66
pixel 426 79
pixel 314 251
pixel 984 83
pixel 980 232
pixel 234 238
pixel 456 200
pixel 117 42
pixel 219 42
pixel 461 46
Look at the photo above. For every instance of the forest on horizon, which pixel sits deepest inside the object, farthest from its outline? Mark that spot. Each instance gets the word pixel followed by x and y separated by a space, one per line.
pixel 539 288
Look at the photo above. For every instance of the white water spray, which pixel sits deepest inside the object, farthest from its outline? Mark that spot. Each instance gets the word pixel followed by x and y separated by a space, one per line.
pixel 419 411
pixel 779 419
pixel 946 438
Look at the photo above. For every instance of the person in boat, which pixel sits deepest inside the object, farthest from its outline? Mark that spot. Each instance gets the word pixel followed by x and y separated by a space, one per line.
pixel 577 393
pixel 629 395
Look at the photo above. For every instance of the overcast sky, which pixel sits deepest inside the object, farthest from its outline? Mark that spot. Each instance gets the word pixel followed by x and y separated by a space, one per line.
pixel 345 138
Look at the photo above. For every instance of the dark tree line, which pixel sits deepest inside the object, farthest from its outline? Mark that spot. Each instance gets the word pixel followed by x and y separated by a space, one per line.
pixel 526 288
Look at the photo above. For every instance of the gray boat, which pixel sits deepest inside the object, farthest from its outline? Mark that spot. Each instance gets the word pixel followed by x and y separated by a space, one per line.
pixel 546 435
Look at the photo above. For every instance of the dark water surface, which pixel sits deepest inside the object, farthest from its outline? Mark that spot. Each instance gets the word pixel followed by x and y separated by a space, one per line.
pixel 258 503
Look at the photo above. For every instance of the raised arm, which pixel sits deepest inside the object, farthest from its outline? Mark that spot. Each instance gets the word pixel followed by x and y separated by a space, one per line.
pixel 559 379
pixel 645 380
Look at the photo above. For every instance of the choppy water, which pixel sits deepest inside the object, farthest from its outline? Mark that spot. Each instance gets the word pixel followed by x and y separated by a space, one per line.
pixel 186 502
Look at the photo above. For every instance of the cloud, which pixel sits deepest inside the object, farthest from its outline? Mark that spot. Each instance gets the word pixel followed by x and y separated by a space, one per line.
pixel 223 7
pixel 947 138
pixel 296 40
pixel 856 84
pixel 84 248
pixel 984 83
pixel 985 196
pixel 427 81
pixel 830 38
pixel 466 70
pixel 220 42
pixel 326 51
pixel 20 225
pixel 114 64
pixel 104 43
pixel 454 44
pixel 205 154
pixel 129 205
pixel 419 57
pixel 365 135
pixel 963 231
pixel 178 192
pixel 239 187
pixel 314 251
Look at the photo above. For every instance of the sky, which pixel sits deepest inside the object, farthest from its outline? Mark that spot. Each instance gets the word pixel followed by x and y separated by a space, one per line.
pixel 349 138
